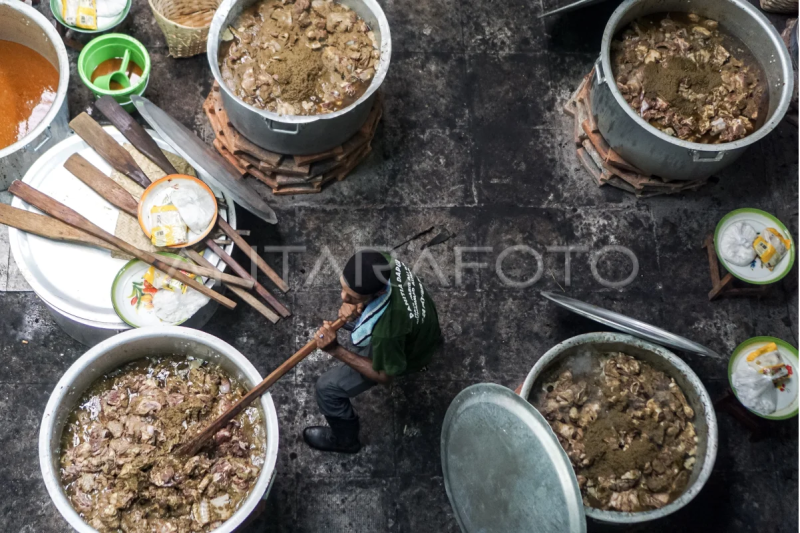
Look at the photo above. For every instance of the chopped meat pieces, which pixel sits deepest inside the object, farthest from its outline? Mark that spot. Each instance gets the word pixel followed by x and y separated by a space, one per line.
pixel 686 77
pixel 299 58
pixel 632 443
pixel 117 465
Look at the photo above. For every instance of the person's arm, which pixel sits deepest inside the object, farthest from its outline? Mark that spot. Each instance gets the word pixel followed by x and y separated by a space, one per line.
pixel 362 365
pixel 327 342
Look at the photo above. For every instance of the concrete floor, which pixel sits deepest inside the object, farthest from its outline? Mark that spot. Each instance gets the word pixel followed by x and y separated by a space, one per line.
pixel 473 141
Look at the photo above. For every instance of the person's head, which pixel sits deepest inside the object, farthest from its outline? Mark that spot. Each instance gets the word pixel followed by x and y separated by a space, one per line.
pixel 364 277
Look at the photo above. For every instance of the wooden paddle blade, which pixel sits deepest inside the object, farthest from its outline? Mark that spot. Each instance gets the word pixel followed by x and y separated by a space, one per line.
pixel 193 446
pixel 102 184
pixel 65 214
pixel 134 132
pixel 48 227
pixel 109 149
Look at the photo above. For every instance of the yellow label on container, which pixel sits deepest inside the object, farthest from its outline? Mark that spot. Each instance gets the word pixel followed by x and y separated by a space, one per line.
pixel 80 13
pixel 168 226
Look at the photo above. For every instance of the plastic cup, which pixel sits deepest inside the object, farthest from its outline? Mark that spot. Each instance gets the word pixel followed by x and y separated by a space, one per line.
pixel 109 46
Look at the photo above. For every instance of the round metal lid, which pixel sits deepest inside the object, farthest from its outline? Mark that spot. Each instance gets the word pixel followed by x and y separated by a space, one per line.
pixel 504 469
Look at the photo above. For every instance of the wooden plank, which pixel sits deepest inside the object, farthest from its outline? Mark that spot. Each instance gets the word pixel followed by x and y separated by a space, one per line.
pixel 239 142
pixel 301 160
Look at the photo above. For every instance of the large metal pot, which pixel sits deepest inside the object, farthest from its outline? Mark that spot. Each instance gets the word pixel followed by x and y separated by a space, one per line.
pixel 294 134
pixel 705 420
pixel 129 346
pixel 22 24
pixel 656 152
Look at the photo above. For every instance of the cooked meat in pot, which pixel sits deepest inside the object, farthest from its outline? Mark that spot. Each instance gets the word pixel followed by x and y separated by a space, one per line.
pixel 688 78
pixel 627 431
pixel 117 465
pixel 299 58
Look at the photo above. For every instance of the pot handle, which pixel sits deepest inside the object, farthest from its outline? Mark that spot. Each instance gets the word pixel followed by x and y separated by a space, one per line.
pixel 271 125
pixel 599 75
pixel 47 136
pixel 707 157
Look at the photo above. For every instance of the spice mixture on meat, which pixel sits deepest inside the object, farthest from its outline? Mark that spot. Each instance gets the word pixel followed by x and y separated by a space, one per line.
pixel 689 79
pixel 117 465
pixel 299 58
pixel 627 431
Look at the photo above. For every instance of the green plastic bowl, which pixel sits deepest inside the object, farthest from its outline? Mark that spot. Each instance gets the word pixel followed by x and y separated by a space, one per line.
pixel 109 46
pixel 55 7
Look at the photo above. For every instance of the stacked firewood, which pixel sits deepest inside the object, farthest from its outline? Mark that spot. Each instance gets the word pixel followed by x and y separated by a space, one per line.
pixel 289 174
pixel 605 165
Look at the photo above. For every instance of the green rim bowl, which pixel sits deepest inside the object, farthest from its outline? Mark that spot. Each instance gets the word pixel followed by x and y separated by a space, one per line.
pixel 55 7
pixel 109 46
pixel 120 278
pixel 739 352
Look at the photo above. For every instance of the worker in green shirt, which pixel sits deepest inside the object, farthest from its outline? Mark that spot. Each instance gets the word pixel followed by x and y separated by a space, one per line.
pixel 395 332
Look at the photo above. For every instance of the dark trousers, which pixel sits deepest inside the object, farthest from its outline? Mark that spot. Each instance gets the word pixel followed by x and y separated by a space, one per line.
pixel 335 387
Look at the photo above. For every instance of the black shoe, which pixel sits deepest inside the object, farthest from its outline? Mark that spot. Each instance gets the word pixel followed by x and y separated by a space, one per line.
pixel 341 436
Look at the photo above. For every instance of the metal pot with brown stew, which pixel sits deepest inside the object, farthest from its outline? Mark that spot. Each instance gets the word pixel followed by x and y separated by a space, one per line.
pixel 299 58
pixel 626 428
pixel 118 466
pixel 687 77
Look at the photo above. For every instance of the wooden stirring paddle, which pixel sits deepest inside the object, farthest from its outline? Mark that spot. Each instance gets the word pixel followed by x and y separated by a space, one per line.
pixel 63 213
pixel 192 446
pixel 104 144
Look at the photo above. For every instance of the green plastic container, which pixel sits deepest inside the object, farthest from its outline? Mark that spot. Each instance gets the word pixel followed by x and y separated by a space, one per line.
pixel 109 46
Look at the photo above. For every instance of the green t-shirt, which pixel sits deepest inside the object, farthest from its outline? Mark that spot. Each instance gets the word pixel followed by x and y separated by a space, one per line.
pixel 407 334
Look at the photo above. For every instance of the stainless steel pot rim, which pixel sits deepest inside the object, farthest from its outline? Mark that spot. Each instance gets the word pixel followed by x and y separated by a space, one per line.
pixel 62 389
pixel 63 73
pixel 768 126
pixel 380 73
pixel 617 517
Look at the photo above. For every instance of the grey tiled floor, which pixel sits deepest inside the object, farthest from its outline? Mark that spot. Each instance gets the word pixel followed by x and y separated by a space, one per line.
pixel 473 141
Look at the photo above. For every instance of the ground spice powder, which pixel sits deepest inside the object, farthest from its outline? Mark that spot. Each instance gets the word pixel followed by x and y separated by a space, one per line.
pixel 664 80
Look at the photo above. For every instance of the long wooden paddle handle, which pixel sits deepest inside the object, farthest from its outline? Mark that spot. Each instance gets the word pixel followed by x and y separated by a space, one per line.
pixel 239 269
pixel 197 442
pixel 65 214
pixel 48 227
pixel 238 291
pixel 252 254
pixel 104 144
pixel 134 132
pixel 52 228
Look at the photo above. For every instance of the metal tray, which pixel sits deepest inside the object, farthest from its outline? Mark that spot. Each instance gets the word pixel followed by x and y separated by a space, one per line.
pixel 75 279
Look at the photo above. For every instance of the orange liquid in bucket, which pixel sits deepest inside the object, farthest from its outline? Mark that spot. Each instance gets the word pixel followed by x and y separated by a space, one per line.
pixel 108 66
pixel 28 86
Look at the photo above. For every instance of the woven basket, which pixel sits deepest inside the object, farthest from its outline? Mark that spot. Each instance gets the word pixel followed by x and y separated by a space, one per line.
pixel 779 6
pixel 184 24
